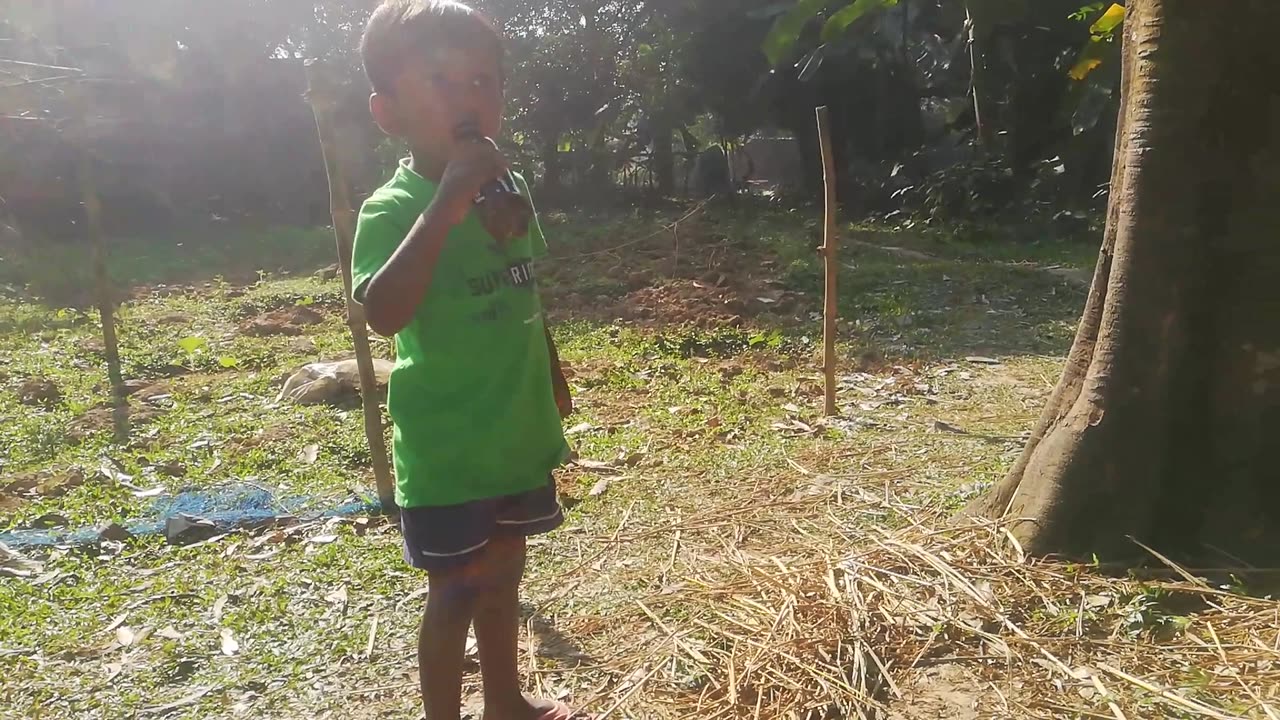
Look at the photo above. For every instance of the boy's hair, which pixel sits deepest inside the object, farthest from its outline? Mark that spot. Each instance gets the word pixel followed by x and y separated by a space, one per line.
pixel 400 28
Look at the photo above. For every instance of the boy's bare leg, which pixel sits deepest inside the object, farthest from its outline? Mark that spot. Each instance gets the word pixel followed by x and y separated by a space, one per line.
pixel 442 641
pixel 497 623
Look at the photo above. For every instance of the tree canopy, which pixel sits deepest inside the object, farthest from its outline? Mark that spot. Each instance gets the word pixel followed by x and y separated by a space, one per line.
pixel 984 105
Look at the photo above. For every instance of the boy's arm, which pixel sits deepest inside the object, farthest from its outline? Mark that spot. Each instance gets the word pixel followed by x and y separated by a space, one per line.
pixel 393 294
pixel 559 386
pixel 395 291
pixel 564 399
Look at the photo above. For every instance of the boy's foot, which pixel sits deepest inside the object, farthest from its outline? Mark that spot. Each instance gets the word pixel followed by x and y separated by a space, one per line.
pixel 535 709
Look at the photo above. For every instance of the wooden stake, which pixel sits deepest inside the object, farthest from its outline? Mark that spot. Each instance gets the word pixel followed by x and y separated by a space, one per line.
pixel 87 184
pixel 830 243
pixel 106 296
pixel 320 93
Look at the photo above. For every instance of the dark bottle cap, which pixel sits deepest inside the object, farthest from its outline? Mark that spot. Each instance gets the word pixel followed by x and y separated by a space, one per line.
pixel 502 210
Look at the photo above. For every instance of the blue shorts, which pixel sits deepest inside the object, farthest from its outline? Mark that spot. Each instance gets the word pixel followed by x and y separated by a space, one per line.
pixel 451 536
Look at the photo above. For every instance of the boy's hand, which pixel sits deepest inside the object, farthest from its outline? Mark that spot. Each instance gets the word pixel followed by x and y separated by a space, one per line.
pixel 473 164
pixel 559 386
pixel 564 400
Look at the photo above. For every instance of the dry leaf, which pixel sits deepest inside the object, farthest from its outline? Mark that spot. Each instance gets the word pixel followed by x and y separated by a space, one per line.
pixel 794 427
pixel 579 429
pixel 15 565
pixel 263 555
pixel 153 492
pixel 48 577
pixel 112 670
pixel 229 644
pixel 191 699
pixel 218 606
pixel 599 487
pixel 168 632
pixel 271 537
pixel 125 636
pixel 309 454
pixel 941 426
pixel 421 592
pixel 322 539
pixel 633 459
pixel 337 597
pixel 982 360
pixel 596 465
pixel 117 622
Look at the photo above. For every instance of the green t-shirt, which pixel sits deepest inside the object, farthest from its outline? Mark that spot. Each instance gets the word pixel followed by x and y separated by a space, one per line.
pixel 470 398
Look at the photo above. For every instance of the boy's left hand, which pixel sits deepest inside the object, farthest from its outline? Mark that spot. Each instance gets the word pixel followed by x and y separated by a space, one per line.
pixel 564 399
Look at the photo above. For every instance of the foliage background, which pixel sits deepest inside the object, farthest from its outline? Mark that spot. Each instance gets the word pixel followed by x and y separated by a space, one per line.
pixel 200 116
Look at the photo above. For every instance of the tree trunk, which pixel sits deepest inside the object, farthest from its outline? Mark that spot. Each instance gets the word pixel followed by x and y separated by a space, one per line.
pixel 1163 424
pixel 320 92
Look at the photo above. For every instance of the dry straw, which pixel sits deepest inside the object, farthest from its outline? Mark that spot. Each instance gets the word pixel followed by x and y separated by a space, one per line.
pixel 794 608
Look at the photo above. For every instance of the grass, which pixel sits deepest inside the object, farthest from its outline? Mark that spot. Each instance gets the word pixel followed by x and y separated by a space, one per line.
pixel 693 352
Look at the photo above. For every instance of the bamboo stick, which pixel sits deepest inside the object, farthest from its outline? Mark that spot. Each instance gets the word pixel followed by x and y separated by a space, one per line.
pixel 106 297
pixel 320 93
pixel 830 245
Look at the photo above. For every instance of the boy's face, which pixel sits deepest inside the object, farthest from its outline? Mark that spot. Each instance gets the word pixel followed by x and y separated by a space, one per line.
pixel 439 91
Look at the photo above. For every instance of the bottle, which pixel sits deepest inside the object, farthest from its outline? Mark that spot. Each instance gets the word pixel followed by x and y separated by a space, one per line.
pixel 500 207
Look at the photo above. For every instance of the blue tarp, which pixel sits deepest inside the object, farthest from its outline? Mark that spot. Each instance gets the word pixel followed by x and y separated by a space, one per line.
pixel 228 507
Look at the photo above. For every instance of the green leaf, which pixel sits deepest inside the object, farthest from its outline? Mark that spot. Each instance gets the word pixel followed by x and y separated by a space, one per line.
pixel 191 344
pixel 228 362
pixel 1109 21
pixel 1085 11
pixel 1083 67
pixel 1089 59
pixel 785 33
pixel 837 24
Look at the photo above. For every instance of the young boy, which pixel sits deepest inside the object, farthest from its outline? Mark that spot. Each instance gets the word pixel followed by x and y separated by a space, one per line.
pixel 477 395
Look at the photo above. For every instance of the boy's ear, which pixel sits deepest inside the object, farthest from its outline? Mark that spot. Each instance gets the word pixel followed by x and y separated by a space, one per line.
pixel 384 116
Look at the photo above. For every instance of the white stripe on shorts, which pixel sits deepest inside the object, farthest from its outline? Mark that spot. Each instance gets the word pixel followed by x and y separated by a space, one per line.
pixel 471 549
pixel 544 518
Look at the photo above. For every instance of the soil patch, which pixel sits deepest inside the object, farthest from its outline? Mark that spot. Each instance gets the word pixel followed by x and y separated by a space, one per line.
pixel 684 302
pixel 286 321
pixel 101 419
pixel 20 489
pixel 39 391
pixel 946 692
